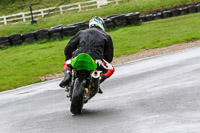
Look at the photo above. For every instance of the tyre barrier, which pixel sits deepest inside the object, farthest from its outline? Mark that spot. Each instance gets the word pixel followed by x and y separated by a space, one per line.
pixel 118 20
pixel 166 13
pixel 15 39
pixel 60 31
pixel 192 9
pixel 82 25
pixel 149 17
pixel 29 37
pixel 133 18
pixel 56 32
pixel 175 12
pixel 198 7
pixel 42 34
pixel 109 23
pixel 4 41
pixel 70 30
pixel 183 11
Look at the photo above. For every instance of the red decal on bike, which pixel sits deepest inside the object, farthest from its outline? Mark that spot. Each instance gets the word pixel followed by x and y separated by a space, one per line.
pixel 65 66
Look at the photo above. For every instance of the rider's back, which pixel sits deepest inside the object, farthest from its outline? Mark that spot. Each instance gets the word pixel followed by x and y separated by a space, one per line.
pixel 94 42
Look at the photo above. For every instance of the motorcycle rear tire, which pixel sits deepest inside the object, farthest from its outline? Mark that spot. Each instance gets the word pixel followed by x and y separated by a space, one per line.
pixel 77 98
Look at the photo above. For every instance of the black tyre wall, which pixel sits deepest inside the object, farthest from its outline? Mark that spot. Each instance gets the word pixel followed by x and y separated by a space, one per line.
pixel 70 30
pixel 109 24
pixel 158 15
pixel 4 41
pixel 166 14
pixel 56 33
pixel 42 34
pixel 29 37
pixel 175 12
pixel 77 97
pixel 198 7
pixel 118 20
pixel 82 25
pixel 149 17
pixel 133 18
pixel 183 11
pixel 15 39
pixel 192 9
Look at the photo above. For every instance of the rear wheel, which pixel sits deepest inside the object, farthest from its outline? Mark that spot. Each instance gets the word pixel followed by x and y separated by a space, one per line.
pixel 77 97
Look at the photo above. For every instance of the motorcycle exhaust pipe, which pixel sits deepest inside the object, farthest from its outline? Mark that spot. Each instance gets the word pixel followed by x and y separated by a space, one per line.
pixel 95 82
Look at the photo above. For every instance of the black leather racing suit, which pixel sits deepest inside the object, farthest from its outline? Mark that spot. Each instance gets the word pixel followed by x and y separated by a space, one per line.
pixel 93 41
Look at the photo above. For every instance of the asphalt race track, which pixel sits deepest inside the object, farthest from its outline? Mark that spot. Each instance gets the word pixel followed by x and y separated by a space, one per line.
pixel 154 95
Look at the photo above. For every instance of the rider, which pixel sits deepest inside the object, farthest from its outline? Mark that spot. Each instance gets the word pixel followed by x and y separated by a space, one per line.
pixel 95 42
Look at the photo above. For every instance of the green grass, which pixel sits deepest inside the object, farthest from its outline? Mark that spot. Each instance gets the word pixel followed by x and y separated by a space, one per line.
pixel 156 34
pixel 8 7
pixel 22 65
pixel 126 6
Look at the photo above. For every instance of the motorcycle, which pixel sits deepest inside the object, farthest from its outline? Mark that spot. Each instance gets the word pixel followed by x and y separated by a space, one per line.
pixel 84 82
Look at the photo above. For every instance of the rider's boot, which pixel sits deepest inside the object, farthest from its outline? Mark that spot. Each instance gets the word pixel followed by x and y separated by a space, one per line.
pixel 100 91
pixel 102 78
pixel 67 78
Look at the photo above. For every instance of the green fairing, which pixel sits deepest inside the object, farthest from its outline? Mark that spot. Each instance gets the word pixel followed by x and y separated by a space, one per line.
pixel 83 62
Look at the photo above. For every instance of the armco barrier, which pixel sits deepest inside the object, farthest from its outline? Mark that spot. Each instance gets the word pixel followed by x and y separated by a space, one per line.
pixel 60 31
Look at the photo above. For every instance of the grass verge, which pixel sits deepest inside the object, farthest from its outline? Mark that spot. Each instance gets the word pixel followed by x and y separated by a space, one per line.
pixel 22 65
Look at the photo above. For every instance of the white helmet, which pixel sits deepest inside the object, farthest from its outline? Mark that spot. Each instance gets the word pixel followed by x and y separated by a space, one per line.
pixel 97 21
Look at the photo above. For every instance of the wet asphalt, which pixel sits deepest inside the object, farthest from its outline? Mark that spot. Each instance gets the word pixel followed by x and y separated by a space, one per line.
pixel 160 94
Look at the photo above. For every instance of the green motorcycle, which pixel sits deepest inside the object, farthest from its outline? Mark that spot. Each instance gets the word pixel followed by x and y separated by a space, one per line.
pixel 84 82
